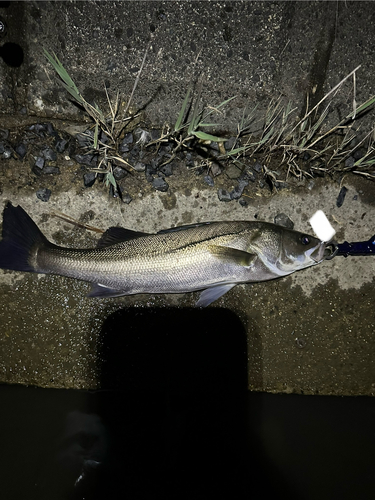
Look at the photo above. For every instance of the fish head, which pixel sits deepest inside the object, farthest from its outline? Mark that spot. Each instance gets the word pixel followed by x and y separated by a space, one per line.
pixel 299 250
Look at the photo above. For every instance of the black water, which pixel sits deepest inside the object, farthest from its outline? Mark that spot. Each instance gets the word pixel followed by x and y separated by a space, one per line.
pixel 174 420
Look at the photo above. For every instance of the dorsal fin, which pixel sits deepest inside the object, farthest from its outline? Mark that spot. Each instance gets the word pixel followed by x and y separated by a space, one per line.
pixel 115 235
pixel 182 228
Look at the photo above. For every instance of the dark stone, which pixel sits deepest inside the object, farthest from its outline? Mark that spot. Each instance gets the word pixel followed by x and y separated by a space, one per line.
pixel 135 151
pixel 6 150
pixel 155 134
pixel 86 138
pixel 306 156
pixel 21 150
pixel 215 169
pixel 349 162
pixel 49 154
pixel 119 173
pixel 103 137
pixel 39 163
pixel 248 175
pixel 257 167
pixel 233 172
pixel 4 134
pixel 160 184
pixel 50 129
pixel 128 138
pixel 235 194
pixel 150 171
pixel 89 179
pixel 126 198
pixel 39 129
pixel 60 144
pixel 230 143
pixel 88 159
pixel 209 180
pixel 139 167
pixel 167 169
pixel 341 197
pixel 223 195
pixel 44 194
pixel 242 202
pixel 51 170
pixel 284 220
pixel 358 154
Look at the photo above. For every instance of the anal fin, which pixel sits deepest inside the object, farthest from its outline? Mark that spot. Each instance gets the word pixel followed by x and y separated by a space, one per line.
pixel 209 295
pixel 98 290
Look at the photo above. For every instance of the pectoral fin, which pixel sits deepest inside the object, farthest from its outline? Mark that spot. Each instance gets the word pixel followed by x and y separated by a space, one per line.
pixel 228 254
pixel 211 294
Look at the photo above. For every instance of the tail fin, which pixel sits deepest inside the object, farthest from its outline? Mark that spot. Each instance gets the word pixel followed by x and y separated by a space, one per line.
pixel 21 236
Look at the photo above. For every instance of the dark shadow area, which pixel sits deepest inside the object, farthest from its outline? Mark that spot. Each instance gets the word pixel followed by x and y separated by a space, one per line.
pixel 12 54
pixel 175 421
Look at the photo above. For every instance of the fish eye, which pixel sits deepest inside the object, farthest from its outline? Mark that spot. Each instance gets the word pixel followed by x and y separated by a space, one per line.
pixel 305 240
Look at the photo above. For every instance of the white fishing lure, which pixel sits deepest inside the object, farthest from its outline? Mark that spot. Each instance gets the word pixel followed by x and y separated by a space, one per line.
pixel 321 226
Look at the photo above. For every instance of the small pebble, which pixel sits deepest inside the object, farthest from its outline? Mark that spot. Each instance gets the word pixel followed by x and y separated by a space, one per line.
pixel 349 162
pixel 139 166
pixel 283 220
pixel 209 180
pixel 43 194
pixel 119 173
pixel 242 202
pixel 51 170
pixel 89 179
pixel 257 167
pixel 4 134
pixel 60 145
pixel 49 154
pixel 233 172
pixel 341 197
pixel 224 195
pixel 160 184
pixel 230 143
pixel 39 162
pixel 126 198
pixel 167 170
pixel 215 170
pixel 21 150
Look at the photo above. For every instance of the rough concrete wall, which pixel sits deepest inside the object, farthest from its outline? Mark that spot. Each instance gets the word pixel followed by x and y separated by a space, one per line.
pixel 253 50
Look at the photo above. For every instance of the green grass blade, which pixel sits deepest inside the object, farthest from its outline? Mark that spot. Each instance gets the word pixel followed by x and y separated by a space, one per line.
pixel 63 74
pixel 96 133
pixel 207 137
pixel 182 111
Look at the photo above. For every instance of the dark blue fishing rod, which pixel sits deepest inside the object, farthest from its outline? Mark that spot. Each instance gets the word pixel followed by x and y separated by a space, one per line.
pixel 355 248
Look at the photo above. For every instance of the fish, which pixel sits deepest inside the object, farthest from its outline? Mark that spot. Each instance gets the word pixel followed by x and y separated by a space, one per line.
pixel 211 257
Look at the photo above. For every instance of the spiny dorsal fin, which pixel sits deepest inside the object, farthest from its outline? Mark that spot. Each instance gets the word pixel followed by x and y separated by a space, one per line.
pixel 239 257
pixel 183 228
pixel 115 235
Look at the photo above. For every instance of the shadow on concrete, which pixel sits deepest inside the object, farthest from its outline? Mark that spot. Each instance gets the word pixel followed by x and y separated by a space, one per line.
pixel 175 421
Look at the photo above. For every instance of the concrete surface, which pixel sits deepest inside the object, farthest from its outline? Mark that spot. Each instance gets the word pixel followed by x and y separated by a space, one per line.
pixel 253 50
pixel 311 332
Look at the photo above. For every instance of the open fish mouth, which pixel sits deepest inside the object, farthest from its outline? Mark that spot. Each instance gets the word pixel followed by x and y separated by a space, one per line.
pixel 318 253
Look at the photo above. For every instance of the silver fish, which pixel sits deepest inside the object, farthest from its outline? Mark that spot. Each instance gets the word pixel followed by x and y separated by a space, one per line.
pixel 212 256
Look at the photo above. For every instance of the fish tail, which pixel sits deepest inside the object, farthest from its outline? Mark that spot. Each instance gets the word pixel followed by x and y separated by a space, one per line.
pixel 21 239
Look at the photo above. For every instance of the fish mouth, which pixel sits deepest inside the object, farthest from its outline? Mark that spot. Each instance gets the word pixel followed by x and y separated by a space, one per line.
pixel 317 253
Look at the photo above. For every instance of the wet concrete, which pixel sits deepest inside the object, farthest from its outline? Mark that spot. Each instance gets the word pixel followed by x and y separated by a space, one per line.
pixel 311 332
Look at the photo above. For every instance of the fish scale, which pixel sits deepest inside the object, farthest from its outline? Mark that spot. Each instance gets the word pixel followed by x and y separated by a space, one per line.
pixel 212 257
